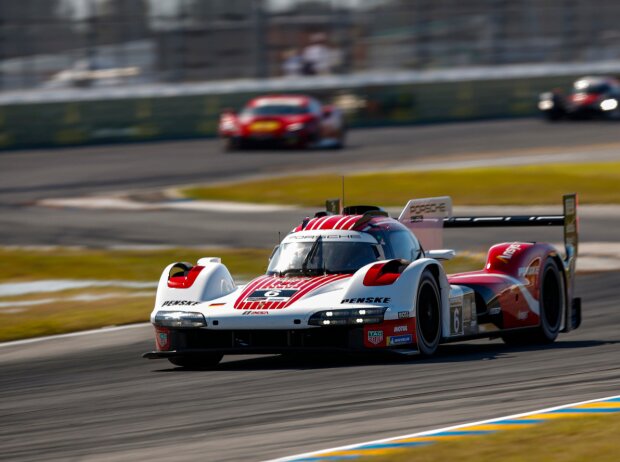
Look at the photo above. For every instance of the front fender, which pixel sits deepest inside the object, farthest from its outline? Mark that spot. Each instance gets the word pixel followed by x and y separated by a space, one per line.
pixel 402 292
pixel 213 281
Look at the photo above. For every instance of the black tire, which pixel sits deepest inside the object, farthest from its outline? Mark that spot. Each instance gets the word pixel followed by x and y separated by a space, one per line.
pixel 551 302
pixel 428 315
pixel 551 306
pixel 203 361
pixel 553 116
pixel 231 144
pixel 341 140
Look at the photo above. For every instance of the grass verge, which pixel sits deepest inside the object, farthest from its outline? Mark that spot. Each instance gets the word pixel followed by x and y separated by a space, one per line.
pixel 596 183
pixel 133 265
pixel 62 316
pixel 47 313
pixel 566 440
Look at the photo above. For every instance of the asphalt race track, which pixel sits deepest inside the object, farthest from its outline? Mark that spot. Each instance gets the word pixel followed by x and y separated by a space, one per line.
pixel 28 176
pixel 94 398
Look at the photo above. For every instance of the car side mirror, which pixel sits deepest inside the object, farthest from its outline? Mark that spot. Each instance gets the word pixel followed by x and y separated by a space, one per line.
pixel 275 249
pixel 440 254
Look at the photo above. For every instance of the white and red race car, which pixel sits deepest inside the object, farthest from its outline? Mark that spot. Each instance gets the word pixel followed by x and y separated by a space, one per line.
pixel 362 281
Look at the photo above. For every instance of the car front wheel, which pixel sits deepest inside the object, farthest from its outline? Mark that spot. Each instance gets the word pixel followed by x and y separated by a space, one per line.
pixel 428 315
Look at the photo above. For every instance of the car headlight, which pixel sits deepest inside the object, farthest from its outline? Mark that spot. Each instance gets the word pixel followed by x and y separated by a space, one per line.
pixel 228 125
pixel 295 127
pixel 355 317
pixel 545 105
pixel 179 319
pixel 609 104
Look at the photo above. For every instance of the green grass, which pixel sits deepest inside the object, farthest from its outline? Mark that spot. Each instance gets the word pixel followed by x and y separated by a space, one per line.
pixel 62 314
pixel 71 316
pixel 133 265
pixel 564 440
pixel 596 183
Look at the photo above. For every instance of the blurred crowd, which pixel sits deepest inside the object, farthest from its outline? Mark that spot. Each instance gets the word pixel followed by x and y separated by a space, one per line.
pixel 317 58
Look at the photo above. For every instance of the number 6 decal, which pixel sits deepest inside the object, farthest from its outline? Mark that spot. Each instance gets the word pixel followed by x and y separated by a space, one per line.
pixel 272 293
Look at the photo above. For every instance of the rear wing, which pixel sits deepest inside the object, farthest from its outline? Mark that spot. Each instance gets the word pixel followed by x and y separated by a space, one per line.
pixel 435 213
pixel 427 217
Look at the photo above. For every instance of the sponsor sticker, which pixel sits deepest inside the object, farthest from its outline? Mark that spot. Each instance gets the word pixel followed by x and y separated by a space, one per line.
pixel 162 336
pixel 509 252
pixel 530 271
pixel 271 295
pixel 254 312
pixel 403 314
pixel 399 339
pixel 375 336
pixel 367 300
pixel 400 329
pixel 179 303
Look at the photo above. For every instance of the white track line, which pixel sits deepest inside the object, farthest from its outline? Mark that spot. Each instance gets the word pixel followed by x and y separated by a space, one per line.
pixel 440 430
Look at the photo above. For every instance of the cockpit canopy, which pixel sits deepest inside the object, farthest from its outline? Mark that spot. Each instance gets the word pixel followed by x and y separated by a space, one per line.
pixel 310 253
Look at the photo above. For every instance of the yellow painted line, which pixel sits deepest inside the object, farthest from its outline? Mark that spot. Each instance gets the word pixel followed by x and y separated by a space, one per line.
pixel 558 415
pixel 432 438
pixel 602 405
pixel 362 452
pixel 500 427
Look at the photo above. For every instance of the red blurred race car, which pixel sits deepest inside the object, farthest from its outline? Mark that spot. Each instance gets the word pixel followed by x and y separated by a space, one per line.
pixel 590 97
pixel 286 120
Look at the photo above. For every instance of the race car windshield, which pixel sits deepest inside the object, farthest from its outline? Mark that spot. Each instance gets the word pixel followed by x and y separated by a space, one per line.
pixel 592 89
pixel 276 109
pixel 321 257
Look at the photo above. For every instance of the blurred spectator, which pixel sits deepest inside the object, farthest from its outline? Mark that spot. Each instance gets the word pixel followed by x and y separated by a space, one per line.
pixel 317 56
pixel 292 64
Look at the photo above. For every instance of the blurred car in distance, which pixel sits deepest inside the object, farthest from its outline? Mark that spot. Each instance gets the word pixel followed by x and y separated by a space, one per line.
pixel 589 98
pixel 286 120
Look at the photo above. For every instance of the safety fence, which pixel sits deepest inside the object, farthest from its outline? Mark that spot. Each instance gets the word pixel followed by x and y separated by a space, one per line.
pixel 192 110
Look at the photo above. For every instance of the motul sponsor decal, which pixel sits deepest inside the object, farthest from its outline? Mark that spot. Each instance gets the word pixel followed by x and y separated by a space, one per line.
pixel 400 329
pixel 375 336
pixel 509 252
pixel 179 303
pixel 367 300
